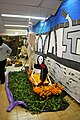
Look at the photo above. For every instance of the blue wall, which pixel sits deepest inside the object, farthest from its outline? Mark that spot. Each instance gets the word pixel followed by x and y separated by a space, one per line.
pixel 70 6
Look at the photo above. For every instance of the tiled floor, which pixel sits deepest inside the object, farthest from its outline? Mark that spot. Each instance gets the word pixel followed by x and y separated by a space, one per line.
pixel 18 113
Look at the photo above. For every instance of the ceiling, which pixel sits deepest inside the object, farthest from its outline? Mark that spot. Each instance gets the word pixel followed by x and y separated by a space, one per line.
pixel 38 8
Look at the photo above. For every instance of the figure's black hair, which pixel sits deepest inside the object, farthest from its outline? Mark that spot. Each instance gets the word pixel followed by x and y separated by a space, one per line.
pixel 1 41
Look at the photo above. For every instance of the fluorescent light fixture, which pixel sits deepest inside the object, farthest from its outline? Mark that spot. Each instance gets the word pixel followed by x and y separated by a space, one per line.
pixel 15 30
pixel 16 25
pixel 22 16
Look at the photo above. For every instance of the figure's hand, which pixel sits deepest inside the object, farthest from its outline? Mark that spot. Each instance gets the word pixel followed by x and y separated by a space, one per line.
pixel 36 83
pixel 32 48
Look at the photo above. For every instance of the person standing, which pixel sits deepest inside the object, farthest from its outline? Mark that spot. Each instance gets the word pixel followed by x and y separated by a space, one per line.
pixel 5 51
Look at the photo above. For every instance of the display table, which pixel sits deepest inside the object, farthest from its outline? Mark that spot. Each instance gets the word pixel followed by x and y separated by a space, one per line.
pixel 21 92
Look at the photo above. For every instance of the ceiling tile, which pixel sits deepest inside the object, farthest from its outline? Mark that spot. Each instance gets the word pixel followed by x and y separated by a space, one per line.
pixel 21 2
pixel 50 4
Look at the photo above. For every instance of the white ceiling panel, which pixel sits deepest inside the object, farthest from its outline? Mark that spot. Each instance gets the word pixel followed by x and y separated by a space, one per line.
pixel 13 19
pixel 15 23
pixel 22 2
pixel 37 8
pixel 23 10
pixel 50 4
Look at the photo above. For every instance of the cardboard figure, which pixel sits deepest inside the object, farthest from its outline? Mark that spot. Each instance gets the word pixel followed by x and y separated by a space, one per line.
pixel 41 71
pixel 42 67
pixel 39 75
pixel 31 49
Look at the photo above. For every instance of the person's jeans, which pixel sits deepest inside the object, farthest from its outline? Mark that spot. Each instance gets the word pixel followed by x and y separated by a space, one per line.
pixel 2 71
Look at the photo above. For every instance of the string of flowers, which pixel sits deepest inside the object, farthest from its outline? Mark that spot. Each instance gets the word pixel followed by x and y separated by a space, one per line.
pixel 45 91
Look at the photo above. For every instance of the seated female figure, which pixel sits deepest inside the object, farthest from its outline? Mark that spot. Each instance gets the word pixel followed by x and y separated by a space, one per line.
pixel 40 72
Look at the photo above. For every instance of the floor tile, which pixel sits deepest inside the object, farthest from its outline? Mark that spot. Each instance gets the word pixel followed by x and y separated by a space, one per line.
pixel 23 118
pixel 65 117
pixel 43 116
pixel 31 116
pixel 12 117
pixel 36 118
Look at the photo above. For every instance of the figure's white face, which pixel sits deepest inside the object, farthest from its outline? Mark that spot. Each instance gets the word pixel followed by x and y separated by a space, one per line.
pixel 40 60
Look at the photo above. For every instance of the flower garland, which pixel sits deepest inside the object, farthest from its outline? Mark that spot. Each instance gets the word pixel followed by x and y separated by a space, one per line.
pixel 45 91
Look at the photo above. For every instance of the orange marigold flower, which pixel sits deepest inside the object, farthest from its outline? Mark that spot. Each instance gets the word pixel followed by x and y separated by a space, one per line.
pixel 45 91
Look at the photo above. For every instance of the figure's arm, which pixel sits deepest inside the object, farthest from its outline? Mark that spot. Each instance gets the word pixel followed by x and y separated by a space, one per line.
pixel 50 83
pixel 66 15
pixel 30 46
pixel 32 75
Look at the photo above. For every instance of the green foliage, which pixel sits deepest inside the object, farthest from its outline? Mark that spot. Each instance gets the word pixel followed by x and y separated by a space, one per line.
pixel 21 89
